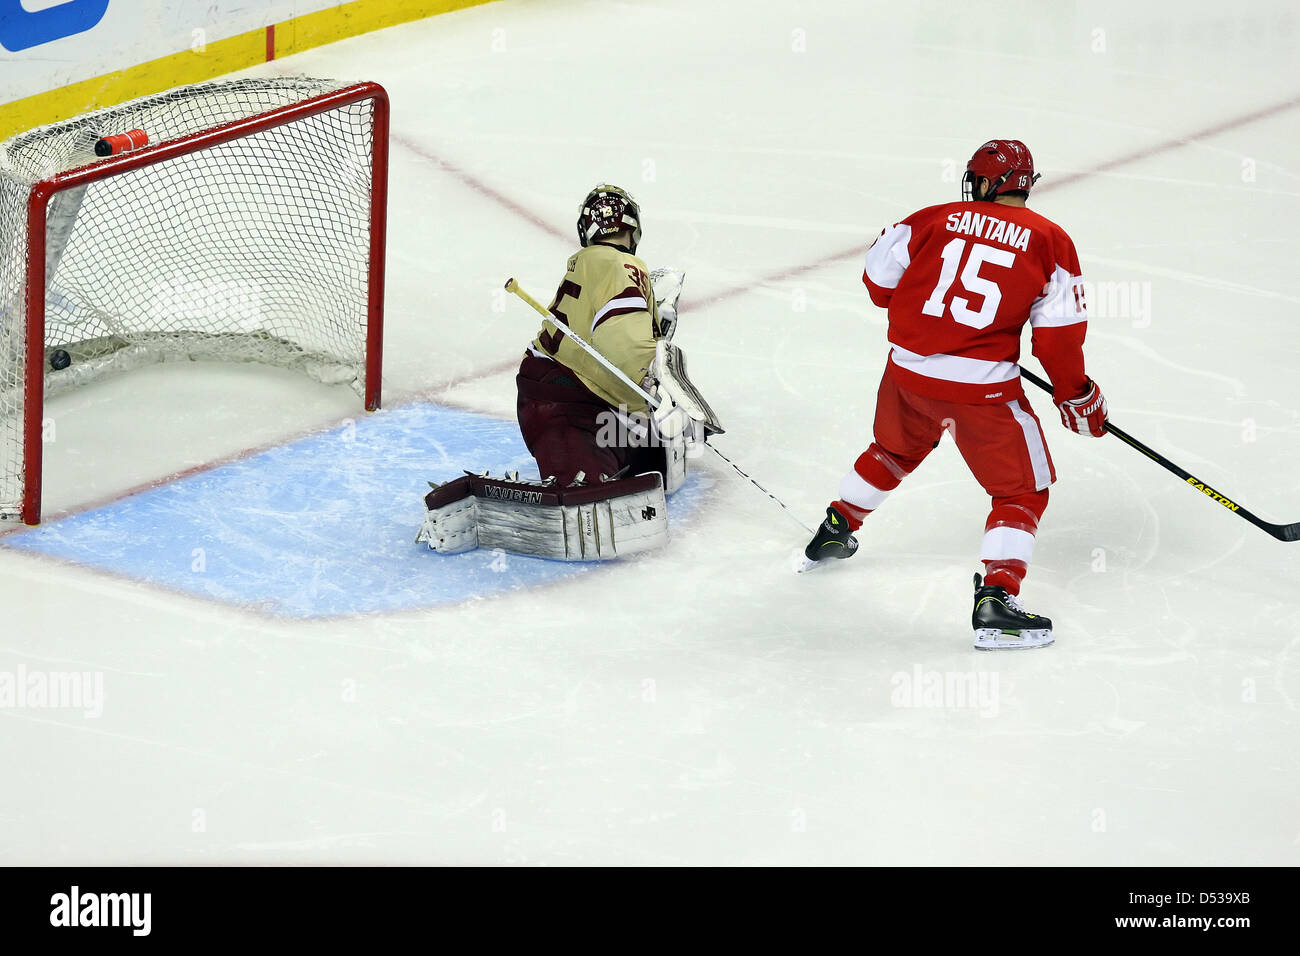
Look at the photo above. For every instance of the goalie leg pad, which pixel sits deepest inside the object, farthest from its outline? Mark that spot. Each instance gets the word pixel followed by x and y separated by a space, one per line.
pixel 588 523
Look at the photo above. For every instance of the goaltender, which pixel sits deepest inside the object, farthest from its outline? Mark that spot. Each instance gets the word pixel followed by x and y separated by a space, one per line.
pixel 606 458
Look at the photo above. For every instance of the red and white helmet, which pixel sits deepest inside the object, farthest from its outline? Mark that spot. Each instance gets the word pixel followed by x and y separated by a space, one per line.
pixel 1006 163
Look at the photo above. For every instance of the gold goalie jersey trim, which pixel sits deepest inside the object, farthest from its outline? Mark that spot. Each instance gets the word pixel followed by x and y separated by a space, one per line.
pixel 606 300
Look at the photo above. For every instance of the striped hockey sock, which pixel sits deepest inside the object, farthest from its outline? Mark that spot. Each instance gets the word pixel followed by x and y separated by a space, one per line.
pixel 875 474
pixel 1009 539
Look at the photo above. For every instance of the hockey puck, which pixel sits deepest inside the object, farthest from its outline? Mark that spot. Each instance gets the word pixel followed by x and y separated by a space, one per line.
pixel 60 359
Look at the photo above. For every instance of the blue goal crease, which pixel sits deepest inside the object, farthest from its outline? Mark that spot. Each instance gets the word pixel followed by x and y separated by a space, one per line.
pixel 320 527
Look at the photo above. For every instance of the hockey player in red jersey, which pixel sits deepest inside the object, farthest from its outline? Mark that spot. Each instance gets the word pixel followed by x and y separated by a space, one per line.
pixel 960 281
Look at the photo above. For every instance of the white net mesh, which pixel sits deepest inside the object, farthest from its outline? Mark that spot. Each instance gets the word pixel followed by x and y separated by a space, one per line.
pixel 252 250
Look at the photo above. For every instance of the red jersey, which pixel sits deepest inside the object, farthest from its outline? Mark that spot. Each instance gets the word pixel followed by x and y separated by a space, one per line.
pixel 960 281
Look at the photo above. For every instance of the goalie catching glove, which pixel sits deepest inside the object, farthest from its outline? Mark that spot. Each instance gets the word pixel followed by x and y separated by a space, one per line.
pixel 667 286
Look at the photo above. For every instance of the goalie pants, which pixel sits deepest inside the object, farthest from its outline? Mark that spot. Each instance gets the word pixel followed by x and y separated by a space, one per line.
pixel 1002 444
pixel 560 419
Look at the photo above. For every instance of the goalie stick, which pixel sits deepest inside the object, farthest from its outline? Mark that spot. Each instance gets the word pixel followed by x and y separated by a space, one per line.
pixel 515 288
pixel 1283 532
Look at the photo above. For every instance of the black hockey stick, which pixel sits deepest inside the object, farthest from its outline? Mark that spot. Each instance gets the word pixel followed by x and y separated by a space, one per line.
pixel 1283 532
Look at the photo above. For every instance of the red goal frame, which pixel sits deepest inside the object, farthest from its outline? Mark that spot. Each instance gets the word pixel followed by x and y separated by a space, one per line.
pixel 43 191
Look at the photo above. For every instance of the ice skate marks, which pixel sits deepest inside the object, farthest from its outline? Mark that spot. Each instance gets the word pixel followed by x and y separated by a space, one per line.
pixel 321 527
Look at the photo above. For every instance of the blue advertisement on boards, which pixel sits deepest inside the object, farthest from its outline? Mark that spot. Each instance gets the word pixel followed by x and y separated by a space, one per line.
pixel 22 29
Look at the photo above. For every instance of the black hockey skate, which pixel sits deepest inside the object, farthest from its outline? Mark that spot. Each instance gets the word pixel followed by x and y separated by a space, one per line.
pixel 1001 621
pixel 832 540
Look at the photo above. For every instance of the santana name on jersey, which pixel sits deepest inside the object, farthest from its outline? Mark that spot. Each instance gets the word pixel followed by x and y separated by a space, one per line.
pixel 991 228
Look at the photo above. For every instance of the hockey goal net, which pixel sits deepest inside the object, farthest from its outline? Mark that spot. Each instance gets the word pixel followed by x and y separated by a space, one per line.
pixel 249 228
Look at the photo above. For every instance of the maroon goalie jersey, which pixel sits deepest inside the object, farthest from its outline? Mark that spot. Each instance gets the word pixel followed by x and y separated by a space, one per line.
pixel 960 281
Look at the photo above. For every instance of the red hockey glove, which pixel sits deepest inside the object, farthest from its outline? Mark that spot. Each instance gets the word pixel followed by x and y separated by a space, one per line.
pixel 1087 413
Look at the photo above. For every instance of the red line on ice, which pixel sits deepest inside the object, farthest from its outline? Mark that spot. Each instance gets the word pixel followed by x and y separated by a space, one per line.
pixel 1110 164
pixel 1166 145
pixel 476 184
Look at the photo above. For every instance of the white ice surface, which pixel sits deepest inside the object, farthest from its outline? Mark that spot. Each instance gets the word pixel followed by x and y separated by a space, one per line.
pixel 705 705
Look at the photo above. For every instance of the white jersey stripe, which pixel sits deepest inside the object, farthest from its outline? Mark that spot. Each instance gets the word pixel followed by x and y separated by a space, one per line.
pixel 627 302
pixel 956 368
pixel 1036 445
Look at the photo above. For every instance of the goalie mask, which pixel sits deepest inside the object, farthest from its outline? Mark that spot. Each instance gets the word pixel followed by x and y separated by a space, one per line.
pixel 1006 163
pixel 607 211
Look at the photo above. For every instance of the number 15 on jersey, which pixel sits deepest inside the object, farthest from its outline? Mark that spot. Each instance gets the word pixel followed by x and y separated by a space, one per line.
pixel 981 255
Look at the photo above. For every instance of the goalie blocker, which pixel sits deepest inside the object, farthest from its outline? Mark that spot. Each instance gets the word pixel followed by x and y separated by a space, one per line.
pixel 610 519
